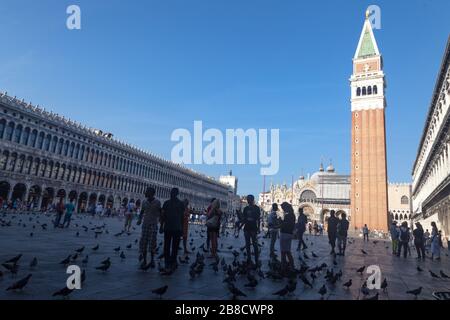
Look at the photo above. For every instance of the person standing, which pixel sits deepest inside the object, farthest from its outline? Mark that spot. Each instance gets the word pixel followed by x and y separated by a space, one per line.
pixel 419 241
pixel 70 208
pixel 301 228
pixel 59 213
pixel 172 217
pixel 208 239
pixel 286 235
pixel 150 213
pixel 213 225
pixel 404 237
pixel 365 233
pixel 251 221
pixel 187 214
pixel 129 212
pixel 394 231
pixel 342 231
pixel 310 228
pixel 435 242
pixel 332 230
pixel 274 228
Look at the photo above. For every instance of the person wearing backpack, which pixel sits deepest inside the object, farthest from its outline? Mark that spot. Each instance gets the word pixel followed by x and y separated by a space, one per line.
pixel 213 226
pixel 404 237
pixel 342 230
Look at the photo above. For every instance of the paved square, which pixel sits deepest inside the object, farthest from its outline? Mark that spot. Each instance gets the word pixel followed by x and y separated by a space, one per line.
pixel 124 281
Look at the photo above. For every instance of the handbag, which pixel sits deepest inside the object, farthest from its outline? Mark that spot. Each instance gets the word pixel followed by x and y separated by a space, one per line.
pixel 213 222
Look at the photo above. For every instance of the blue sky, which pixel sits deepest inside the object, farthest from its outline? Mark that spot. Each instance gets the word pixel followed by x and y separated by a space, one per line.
pixel 141 69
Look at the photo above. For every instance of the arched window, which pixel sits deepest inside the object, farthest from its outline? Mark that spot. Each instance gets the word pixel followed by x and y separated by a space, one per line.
pixel 369 90
pixel 33 138
pixel 2 127
pixel 404 200
pixel 40 140
pixel 396 216
pixel 364 91
pixel 71 148
pixel 307 195
pixel 60 145
pixel 9 131
pixel 47 140
pixel 54 144
pixel 358 91
pixel 17 134
pixel 375 90
pixel 401 216
pixel 77 151
pixel 26 136
pixel 65 148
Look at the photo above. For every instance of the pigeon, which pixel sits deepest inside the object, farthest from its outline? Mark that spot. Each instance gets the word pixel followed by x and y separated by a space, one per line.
pixel 80 250
pixel 305 281
pixel 104 267
pixel 75 257
pixel 33 263
pixel 433 275
pixel 305 255
pixel 236 292
pixel 95 248
pixel 129 246
pixel 283 292
pixel 313 254
pixel 419 269
pixel 85 260
pixel 375 297
pixel 122 255
pixel 348 284
pixel 364 290
pixel 323 291
pixel 64 292
pixel 106 261
pixel 443 275
pixel 66 261
pixel 19 285
pixel 364 252
pixel 160 291
pixel 361 270
pixel 415 292
pixel 77 234
pixel 384 285
pixel 117 249
pixel 15 259
pixel 31 234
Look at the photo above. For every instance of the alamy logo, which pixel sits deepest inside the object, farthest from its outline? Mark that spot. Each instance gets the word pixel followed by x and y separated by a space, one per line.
pixel 74 280
pixel 374 15
pixel 231 149
pixel 73 22
pixel 374 280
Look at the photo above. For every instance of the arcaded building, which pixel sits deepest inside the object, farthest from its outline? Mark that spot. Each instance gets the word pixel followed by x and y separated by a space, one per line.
pixel 45 157
pixel 431 170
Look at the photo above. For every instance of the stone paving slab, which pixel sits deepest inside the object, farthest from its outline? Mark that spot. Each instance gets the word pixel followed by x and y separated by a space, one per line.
pixel 125 281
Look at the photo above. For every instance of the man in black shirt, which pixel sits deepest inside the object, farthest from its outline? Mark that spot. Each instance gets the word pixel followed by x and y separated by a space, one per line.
pixel 172 216
pixel 332 230
pixel 342 229
pixel 251 217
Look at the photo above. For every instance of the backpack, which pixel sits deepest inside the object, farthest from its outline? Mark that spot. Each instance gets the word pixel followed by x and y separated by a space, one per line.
pixel 404 235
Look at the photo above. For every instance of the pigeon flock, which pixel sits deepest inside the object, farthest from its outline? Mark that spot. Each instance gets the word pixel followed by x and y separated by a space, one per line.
pixel 33 268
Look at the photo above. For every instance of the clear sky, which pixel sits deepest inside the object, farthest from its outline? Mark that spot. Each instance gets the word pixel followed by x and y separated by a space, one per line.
pixel 141 69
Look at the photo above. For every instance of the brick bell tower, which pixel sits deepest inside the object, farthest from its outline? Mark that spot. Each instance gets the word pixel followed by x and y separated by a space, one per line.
pixel 368 197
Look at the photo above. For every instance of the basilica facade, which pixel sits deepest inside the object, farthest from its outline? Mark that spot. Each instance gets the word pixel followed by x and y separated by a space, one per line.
pixel 45 157
pixel 318 194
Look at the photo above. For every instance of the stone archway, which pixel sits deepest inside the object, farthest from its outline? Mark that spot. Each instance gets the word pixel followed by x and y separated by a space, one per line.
pixel 102 199
pixel 339 213
pixel 34 196
pixel 47 198
pixel 4 190
pixel 19 192
pixel 61 194
pixel 92 202
pixel 72 195
pixel 110 202
pixel 324 215
pixel 82 202
pixel 125 202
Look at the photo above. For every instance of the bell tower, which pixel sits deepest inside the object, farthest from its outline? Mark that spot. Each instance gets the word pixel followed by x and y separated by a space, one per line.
pixel 368 197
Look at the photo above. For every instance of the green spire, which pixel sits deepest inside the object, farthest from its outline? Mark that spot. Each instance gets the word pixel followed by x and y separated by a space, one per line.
pixel 367 48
